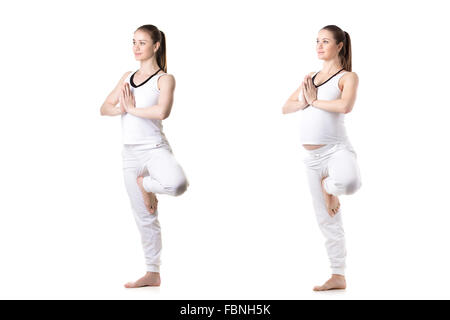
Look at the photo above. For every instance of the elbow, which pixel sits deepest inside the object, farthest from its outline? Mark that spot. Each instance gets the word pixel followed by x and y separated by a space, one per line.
pixel 347 108
pixel 104 109
pixel 163 115
pixel 163 112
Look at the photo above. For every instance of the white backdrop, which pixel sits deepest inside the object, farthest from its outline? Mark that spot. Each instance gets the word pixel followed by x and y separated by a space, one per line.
pixel 246 228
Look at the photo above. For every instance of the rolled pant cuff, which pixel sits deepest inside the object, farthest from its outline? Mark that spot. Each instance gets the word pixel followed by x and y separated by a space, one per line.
pixel 340 271
pixel 152 268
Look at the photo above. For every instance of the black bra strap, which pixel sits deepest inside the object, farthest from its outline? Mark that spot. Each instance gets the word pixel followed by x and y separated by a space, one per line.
pixel 132 76
pixel 325 81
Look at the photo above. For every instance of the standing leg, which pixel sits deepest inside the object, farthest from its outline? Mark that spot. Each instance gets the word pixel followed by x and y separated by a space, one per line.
pixel 331 228
pixel 147 224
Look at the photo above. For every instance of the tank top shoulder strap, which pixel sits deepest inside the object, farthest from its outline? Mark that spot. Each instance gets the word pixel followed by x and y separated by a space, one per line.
pixel 156 77
pixel 339 75
pixel 159 75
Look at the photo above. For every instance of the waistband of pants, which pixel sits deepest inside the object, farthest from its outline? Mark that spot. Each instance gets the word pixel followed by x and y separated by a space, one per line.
pixel 145 146
pixel 322 150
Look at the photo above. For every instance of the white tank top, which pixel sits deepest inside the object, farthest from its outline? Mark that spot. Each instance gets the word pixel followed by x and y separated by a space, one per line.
pixel 137 130
pixel 318 126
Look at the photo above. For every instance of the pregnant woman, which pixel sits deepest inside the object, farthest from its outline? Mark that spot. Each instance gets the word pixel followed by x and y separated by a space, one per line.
pixel 331 162
pixel 145 97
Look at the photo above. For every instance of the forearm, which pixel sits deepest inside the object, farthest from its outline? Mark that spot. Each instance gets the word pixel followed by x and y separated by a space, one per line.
pixel 293 106
pixel 153 112
pixel 337 105
pixel 108 109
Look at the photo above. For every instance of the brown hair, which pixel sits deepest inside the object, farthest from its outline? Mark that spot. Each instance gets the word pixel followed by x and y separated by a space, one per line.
pixel 157 36
pixel 345 54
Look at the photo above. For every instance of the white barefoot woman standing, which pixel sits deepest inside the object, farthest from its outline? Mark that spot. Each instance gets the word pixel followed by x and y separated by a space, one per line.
pixel 331 165
pixel 145 97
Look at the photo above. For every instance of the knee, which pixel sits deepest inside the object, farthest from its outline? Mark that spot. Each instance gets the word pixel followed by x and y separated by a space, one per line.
pixel 331 228
pixel 350 187
pixel 178 188
pixel 181 187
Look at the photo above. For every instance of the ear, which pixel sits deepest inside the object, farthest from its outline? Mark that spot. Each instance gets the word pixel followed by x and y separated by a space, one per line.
pixel 158 44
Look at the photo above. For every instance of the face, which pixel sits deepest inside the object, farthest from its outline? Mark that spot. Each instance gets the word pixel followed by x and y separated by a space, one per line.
pixel 326 47
pixel 143 46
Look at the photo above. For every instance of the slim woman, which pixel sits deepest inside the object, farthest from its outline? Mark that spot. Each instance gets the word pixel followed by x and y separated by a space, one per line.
pixel 331 161
pixel 143 98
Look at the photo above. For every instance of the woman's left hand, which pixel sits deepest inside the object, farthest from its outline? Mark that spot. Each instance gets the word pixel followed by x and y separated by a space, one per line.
pixel 127 98
pixel 309 90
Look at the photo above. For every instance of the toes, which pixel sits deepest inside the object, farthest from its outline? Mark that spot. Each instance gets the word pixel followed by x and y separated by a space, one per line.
pixel 318 288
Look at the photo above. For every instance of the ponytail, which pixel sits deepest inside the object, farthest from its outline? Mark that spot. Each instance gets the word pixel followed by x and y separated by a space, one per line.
pixel 161 53
pixel 346 56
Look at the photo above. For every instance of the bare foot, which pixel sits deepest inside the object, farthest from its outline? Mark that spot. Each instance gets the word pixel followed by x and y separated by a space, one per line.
pixel 150 200
pixel 331 201
pixel 336 281
pixel 151 279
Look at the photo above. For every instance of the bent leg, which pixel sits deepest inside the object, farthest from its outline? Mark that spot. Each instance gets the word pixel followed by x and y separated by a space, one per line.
pixel 344 177
pixel 165 174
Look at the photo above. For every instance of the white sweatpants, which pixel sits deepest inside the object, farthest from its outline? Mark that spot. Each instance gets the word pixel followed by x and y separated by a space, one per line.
pixel 162 174
pixel 338 162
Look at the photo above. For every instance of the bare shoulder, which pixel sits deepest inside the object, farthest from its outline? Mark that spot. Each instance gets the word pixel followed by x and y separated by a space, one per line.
pixel 350 75
pixel 122 79
pixel 309 75
pixel 348 80
pixel 126 74
pixel 166 80
pixel 167 77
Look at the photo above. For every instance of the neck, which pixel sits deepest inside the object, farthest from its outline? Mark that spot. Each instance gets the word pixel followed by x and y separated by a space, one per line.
pixel 149 67
pixel 331 66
